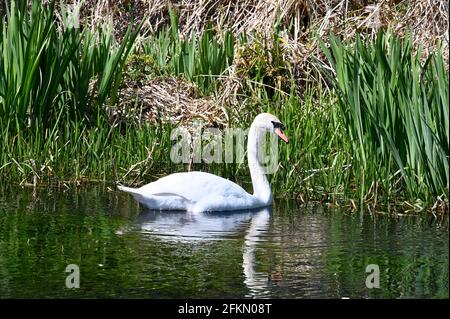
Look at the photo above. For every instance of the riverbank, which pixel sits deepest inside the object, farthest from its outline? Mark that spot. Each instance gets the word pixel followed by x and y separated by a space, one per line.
pixel 76 105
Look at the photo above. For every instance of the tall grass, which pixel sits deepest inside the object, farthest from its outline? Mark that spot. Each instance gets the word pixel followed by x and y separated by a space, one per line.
pixel 197 58
pixel 395 109
pixel 47 70
pixel 54 83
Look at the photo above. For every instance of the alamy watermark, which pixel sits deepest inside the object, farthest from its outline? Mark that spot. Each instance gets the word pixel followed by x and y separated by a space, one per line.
pixel 73 279
pixel 71 14
pixel 373 279
pixel 212 145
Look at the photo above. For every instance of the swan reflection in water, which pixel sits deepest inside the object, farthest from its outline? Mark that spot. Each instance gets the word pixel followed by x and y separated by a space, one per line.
pixel 186 227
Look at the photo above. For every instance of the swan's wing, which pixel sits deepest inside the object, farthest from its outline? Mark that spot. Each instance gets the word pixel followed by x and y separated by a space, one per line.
pixel 172 195
pixel 166 200
pixel 193 186
pixel 195 191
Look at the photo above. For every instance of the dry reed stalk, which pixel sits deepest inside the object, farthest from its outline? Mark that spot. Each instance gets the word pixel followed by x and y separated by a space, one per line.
pixel 302 23
pixel 169 100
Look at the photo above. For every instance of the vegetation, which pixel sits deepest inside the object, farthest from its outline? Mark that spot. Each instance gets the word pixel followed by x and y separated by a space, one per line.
pixel 367 120
pixel 396 112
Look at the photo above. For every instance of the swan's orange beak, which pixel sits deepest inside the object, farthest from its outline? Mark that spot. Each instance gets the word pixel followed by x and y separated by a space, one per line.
pixel 280 133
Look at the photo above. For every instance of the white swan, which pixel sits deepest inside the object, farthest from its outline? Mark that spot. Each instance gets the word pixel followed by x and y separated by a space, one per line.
pixel 199 191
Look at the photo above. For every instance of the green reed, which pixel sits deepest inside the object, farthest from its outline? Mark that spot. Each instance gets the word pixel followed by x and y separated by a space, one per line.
pixel 198 58
pixel 52 74
pixel 395 110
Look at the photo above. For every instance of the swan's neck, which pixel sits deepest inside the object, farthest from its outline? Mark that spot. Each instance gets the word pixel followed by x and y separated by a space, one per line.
pixel 261 187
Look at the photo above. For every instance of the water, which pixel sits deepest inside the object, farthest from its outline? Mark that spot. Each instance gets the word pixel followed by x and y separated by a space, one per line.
pixel 286 252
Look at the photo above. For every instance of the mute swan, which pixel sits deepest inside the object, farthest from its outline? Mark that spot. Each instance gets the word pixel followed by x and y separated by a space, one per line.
pixel 200 191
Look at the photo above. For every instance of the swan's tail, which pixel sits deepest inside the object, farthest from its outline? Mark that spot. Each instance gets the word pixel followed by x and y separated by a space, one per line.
pixel 127 189
pixel 161 201
pixel 133 191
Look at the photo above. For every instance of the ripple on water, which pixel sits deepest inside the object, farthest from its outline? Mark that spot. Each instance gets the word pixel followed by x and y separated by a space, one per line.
pixel 287 252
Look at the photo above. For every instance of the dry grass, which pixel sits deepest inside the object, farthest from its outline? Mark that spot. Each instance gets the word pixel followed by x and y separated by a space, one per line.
pixel 301 24
pixel 428 19
pixel 300 19
pixel 166 99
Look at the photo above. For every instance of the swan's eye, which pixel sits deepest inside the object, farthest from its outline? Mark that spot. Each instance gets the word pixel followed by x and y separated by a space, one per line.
pixel 278 125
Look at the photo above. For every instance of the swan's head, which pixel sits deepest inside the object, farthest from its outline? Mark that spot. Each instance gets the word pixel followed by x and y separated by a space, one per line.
pixel 270 123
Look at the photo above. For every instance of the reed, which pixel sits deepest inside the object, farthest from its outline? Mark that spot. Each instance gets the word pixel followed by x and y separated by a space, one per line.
pixel 395 110
pixel 197 58
pixel 52 74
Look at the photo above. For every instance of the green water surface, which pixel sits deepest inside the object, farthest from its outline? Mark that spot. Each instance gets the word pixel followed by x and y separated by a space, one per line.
pixel 123 251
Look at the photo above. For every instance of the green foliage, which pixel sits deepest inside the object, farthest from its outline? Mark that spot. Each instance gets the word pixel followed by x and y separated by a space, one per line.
pixel 396 111
pixel 200 59
pixel 262 64
pixel 46 71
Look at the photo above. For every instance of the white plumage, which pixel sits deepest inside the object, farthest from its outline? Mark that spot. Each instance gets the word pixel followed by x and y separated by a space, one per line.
pixel 200 191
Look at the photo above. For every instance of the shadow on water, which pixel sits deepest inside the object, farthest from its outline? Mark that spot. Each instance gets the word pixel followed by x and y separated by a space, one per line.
pixel 124 251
